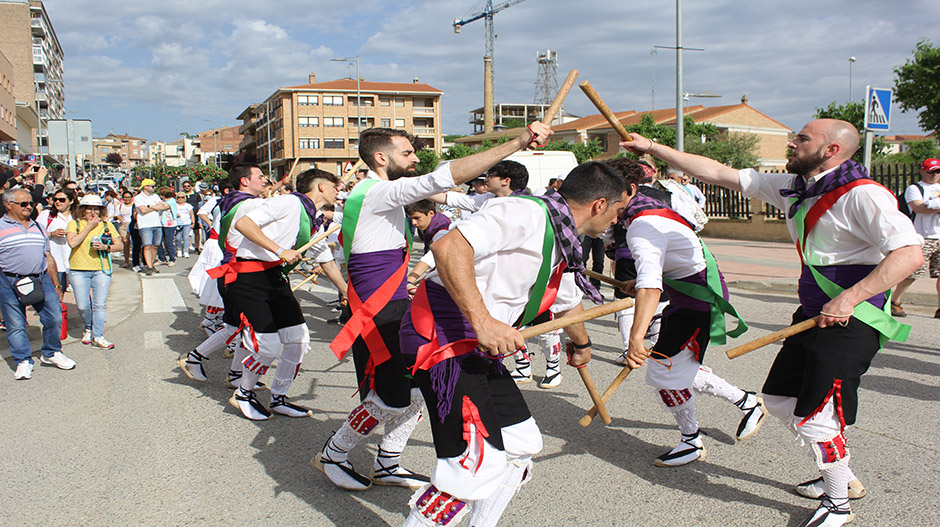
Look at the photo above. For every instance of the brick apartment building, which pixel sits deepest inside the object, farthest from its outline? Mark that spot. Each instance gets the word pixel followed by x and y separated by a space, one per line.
pixel 315 124
pixel 213 143
pixel 133 150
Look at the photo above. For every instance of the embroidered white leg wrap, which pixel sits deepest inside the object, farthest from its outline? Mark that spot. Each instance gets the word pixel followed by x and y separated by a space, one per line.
pixel 551 344
pixel 212 321
pixel 239 355
pixel 431 507
pixel 681 404
pixel 258 361
pixel 217 341
pixel 487 512
pixel 360 423
pixel 295 341
pixel 624 319
pixel 399 428
pixel 707 382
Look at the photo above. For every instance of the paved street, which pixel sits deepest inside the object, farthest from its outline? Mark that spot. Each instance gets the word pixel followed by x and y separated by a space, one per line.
pixel 127 439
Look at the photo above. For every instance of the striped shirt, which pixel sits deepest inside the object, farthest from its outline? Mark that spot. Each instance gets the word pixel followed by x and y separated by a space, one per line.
pixel 22 249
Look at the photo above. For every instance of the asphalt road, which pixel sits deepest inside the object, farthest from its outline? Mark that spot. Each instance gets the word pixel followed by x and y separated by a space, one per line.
pixel 127 439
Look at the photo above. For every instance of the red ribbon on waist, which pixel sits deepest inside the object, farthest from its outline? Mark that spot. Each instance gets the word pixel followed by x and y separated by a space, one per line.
pixel 231 270
pixel 362 323
pixel 213 235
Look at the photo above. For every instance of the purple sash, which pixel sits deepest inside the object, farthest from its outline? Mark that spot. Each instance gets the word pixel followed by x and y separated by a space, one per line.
pixel 368 271
pixel 679 300
pixel 813 298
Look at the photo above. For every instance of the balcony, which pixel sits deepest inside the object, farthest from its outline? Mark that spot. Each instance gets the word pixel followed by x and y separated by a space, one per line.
pixel 420 110
pixel 421 131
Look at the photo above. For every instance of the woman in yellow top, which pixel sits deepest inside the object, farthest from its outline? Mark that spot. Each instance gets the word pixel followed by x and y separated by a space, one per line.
pixel 92 239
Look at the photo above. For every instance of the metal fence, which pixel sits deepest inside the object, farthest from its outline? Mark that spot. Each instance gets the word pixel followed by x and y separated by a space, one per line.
pixel 725 203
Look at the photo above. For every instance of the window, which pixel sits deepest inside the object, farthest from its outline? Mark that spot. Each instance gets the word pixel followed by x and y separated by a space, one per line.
pixel 386 123
pixel 308 100
pixel 332 100
pixel 333 143
pixel 399 123
pixel 333 121
pixel 400 103
pixel 308 144
pixel 385 101
pixel 366 101
pixel 305 122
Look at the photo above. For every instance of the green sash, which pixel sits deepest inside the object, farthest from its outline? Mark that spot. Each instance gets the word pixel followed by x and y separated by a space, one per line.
pixel 879 319
pixel 712 294
pixel 545 269
pixel 303 236
pixel 351 211
pixel 226 223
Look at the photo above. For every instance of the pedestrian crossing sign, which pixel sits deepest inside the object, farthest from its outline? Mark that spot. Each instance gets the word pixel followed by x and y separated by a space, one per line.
pixel 878 109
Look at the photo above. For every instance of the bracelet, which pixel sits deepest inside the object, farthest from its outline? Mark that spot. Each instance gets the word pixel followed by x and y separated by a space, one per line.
pixel 650 147
pixel 582 346
pixel 279 252
pixel 834 316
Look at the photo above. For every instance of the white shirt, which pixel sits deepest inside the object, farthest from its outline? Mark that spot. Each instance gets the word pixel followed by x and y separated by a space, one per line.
pixel 927 225
pixel 506 236
pixel 59 247
pixel 279 219
pixel 320 252
pixel 183 213
pixel 861 227
pixel 696 194
pixel 382 220
pixel 208 210
pixel 663 247
pixel 152 218
pixel 468 203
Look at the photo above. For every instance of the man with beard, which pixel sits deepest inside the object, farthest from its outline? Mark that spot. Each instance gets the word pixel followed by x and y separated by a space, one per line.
pixel 376 240
pixel 855 245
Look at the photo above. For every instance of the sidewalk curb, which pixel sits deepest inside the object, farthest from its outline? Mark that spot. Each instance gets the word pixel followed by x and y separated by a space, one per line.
pixel 789 288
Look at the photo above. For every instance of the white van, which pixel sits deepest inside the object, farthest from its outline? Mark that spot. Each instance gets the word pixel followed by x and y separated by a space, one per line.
pixel 543 166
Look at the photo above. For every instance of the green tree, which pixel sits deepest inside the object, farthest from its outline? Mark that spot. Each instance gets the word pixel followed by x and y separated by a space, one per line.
pixel 735 150
pixel 514 122
pixel 917 85
pixel 113 158
pixel 583 152
pixel 450 138
pixel 457 151
pixel 428 160
pixel 916 152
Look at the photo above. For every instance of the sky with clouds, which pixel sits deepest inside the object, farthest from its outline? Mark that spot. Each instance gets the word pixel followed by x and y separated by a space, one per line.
pixel 154 69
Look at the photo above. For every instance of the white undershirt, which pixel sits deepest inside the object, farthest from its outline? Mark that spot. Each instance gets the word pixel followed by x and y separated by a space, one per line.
pixel 861 227
pixel 506 236
pixel 663 247
pixel 468 203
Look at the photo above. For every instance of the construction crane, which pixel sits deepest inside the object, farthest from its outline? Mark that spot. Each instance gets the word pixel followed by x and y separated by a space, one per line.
pixel 487 14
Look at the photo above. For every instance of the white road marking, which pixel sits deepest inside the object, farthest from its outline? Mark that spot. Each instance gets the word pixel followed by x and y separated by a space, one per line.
pixel 162 296
pixel 153 340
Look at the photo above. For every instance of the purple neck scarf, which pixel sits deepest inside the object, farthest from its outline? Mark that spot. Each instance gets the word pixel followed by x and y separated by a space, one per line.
pixel 844 173
pixel 311 210
pixel 566 236
pixel 522 192
pixel 643 202
pixel 231 199
pixel 438 223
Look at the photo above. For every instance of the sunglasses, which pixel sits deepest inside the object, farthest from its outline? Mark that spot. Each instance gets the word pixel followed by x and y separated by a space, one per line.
pixel 23 204
pixel 61 200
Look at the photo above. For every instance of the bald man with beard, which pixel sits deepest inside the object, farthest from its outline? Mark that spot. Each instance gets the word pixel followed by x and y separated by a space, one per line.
pixel 855 245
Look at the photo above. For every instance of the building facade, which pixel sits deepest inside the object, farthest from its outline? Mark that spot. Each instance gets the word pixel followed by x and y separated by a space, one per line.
pixel 318 124
pixel 133 150
pixel 213 143
pixel 505 114
pixel 29 41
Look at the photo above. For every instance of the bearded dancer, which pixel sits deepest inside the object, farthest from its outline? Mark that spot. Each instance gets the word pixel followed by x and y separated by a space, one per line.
pixel 377 244
pixel 855 245
pixel 504 265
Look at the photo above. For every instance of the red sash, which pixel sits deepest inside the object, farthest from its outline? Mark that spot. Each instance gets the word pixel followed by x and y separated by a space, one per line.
pixel 362 323
pixel 825 203
pixel 423 319
pixel 230 270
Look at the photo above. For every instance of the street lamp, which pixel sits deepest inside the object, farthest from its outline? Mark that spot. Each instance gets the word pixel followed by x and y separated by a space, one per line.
pixel 851 61
pixel 358 95
pixel 653 53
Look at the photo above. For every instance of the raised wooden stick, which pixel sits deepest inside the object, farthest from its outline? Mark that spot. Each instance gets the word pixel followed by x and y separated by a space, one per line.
pixel 737 351
pixel 592 413
pixel 333 228
pixel 352 171
pixel 605 111
pixel 559 98
pixel 604 278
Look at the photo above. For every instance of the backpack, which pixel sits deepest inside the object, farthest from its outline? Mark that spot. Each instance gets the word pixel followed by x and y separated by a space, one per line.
pixel 902 202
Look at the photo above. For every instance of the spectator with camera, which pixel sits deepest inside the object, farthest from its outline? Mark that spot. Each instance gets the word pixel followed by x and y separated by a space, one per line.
pixel 92 239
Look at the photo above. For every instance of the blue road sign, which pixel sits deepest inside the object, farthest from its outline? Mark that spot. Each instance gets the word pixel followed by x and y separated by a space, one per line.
pixel 878 109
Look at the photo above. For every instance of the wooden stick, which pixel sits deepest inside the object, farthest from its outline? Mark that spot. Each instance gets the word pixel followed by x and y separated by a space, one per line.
pixel 595 397
pixel 605 111
pixel 592 413
pixel 737 351
pixel 311 276
pixel 333 228
pixel 604 278
pixel 352 171
pixel 570 320
pixel 559 98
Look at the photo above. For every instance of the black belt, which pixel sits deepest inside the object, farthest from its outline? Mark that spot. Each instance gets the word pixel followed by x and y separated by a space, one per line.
pixel 18 276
